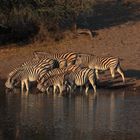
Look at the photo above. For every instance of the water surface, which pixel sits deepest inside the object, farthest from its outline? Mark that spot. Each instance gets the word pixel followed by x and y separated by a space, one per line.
pixel 112 115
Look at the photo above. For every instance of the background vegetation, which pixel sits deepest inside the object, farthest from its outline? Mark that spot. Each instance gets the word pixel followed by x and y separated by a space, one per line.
pixel 38 19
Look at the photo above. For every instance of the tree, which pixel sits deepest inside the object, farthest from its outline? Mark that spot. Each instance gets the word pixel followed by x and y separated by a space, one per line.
pixel 75 7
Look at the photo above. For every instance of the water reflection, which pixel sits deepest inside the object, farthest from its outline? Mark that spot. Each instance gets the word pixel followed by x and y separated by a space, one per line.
pixel 112 115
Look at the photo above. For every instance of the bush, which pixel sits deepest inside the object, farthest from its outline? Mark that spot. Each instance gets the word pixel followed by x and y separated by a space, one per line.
pixel 28 18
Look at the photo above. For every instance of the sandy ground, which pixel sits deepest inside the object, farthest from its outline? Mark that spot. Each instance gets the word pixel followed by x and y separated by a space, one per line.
pixel 122 41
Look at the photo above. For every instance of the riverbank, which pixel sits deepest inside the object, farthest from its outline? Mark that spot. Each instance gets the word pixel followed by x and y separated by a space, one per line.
pixel 122 41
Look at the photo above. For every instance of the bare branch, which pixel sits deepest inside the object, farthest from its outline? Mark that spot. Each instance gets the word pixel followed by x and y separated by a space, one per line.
pixel 85 31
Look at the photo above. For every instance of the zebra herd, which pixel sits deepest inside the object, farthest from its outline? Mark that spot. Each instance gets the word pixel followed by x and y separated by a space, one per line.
pixel 64 71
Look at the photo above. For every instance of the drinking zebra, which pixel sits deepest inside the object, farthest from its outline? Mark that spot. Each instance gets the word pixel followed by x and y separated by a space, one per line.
pixel 29 71
pixel 82 77
pixel 60 62
pixel 101 63
pixel 53 81
pixel 47 75
pixel 57 71
pixel 42 78
pixel 70 57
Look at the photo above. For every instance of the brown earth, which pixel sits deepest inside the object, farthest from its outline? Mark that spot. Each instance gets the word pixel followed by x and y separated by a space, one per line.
pixel 121 40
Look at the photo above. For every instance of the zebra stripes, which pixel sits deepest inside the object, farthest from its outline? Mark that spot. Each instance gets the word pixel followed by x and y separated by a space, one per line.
pixel 82 77
pixel 70 57
pixel 29 71
pixel 57 71
pixel 61 63
pixel 101 63
pixel 78 77
pixel 54 81
pixel 50 73
pixel 65 70
pixel 73 68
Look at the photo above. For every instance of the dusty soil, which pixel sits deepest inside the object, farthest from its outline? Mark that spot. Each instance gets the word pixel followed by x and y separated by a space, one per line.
pixel 120 40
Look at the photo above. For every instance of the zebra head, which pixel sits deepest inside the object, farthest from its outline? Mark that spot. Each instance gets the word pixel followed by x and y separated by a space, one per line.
pixel 9 84
pixel 12 80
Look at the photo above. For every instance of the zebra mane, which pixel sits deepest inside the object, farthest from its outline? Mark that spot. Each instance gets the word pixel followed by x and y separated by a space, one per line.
pixel 13 71
pixel 37 54
pixel 85 54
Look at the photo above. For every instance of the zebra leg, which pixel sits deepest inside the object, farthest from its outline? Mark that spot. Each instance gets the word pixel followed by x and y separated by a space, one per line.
pixel 27 85
pixel 69 87
pixel 74 87
pixel 60 89
pixel 47 90
pixel 94 86
pixel 112 71
pixel 120 71
pixel 22 86
pixel 54 89
pixel 91 80
pixel 97 74
pixel 24 83
pixel 87 87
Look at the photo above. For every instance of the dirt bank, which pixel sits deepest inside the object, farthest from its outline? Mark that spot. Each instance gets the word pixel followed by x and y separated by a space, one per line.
pixel 121 40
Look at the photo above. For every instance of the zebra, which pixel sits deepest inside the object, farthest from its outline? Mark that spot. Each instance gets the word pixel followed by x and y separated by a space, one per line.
pixel 50 73
pixel 70 57
pixel 101 63
pixel 28 71
pixel 73 68
pixel 58 63
pixel 54 81
pixel 57 71
pixel 82 77
pixel 61 62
